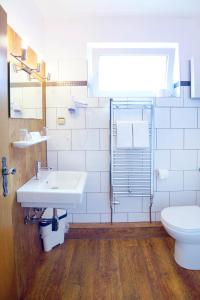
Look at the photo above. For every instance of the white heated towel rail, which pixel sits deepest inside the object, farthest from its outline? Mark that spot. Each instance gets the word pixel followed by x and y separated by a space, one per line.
pixel 131 169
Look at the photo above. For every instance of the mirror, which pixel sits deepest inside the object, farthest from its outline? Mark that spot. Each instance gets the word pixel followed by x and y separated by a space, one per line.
pixel 25 93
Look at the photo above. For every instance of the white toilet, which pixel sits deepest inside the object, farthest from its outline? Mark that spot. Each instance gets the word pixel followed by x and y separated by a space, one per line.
pixel 183 224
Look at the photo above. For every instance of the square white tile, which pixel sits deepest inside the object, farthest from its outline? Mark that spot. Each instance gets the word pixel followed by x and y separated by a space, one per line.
pixel 162 159
pixel 183 118
pixel 169 138
pixel 104 102
pixel 51 118
pixel 182 198
pixel 86 218
pixel 173 183
pixel 85 139
pixel 91 101
pixel 160 201
pixel 52 159
pixel 57 96
pixel 188 102
pixel 198 198
pixel 157 216
pixel 169 102
pixel 72 120
pixel 192 139
pixel 71 160
pixel 78 92
pixel 138 217
pixel 104 139
pixel 162 117
pixel 183 159
pixel 97 118
pixel 93 182
pixel 120 217
pixel 59 140
pixel 198 117
pixel 198 162
pixel 79 208
pixel 97 161
pixel 105 218
pixel 105 182
pixel 98 203
pixel 191 180
pixel 128 204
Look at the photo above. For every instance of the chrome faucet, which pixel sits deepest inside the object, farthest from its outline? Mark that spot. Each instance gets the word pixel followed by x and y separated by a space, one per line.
pixel 38 167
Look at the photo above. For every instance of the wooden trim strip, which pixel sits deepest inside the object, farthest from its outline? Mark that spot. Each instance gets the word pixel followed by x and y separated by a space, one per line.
pixel 25 84
pixel 66 83
pixel 115 231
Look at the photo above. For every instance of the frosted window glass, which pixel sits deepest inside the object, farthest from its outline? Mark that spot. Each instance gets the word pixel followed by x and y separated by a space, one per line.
pixel 120 73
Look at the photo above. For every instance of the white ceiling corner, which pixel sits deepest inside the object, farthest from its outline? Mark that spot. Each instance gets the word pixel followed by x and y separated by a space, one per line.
pixel 66 8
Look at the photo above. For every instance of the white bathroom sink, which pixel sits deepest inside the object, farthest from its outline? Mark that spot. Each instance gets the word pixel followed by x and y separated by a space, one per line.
pixel 58 189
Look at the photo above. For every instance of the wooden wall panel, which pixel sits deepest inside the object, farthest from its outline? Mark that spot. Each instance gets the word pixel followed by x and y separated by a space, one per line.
pixel 27 244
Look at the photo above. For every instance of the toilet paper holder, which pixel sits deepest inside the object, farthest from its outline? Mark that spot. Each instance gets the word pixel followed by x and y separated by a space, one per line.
pixel 162 174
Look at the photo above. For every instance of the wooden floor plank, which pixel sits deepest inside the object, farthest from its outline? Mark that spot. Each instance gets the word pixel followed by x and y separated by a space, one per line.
pixel 131 268
pixel 115 269
pixel 160 270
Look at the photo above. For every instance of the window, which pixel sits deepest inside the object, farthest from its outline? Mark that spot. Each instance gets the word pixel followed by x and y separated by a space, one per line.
pixel 131 70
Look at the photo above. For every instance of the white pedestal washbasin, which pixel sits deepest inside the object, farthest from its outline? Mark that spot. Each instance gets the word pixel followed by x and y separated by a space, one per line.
pixel 57 189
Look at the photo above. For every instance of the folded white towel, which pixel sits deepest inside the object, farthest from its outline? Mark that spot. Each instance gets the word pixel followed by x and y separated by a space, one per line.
pixel 124 135
pixel 140 134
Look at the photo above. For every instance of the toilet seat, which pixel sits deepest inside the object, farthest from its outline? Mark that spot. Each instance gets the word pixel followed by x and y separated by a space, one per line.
pixel 182 218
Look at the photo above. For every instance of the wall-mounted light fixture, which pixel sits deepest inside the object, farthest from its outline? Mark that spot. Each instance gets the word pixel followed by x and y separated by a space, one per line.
pixel 39 64
pixel 16 68
pixel 24 49
pixel 48 77
pixel 23 66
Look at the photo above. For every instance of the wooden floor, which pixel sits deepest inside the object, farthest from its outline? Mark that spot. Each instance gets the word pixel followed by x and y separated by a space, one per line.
pixel 113 269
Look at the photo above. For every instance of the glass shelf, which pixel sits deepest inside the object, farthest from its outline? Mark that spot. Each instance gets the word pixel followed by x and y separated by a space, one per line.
pixel 26 144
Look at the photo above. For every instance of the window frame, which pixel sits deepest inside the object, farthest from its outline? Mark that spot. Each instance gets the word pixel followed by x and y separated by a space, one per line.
pixel 100 49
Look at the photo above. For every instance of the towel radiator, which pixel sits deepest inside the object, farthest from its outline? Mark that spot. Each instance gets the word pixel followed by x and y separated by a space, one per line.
pixel 131 169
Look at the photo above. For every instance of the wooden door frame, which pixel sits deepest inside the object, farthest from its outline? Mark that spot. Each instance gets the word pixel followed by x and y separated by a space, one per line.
pixel 8 288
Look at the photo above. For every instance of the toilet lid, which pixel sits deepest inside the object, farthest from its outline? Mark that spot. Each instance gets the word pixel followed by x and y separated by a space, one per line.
pixel 182 217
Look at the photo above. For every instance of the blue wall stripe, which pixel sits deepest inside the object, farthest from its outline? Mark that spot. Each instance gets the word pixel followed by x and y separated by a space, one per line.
pixel 185 83
pixel 182 83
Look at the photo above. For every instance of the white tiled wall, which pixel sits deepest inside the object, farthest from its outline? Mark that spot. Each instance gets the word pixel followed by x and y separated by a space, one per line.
pixel 82 143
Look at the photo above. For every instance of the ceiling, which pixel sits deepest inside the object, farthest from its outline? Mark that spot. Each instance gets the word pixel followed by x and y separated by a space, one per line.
pixel 64 8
